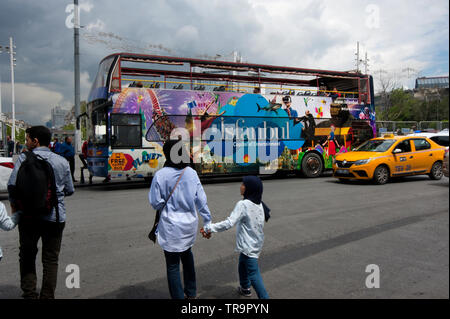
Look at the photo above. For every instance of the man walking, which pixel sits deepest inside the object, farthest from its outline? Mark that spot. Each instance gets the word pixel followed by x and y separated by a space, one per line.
pixel 10 144
pixel 67 151
pixel 33 227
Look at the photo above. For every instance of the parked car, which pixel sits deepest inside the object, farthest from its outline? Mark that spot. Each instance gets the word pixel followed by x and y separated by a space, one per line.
pixel 442 137
pixel 6 167
pixel 391 156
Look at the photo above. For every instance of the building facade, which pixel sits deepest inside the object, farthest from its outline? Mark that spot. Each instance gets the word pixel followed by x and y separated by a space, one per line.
pixel 58 117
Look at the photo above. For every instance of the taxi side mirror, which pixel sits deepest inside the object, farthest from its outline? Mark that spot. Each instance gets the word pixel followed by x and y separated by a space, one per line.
pixel 396 151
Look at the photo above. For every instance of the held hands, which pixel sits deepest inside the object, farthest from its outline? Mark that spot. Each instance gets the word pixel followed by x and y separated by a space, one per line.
pixel 205 234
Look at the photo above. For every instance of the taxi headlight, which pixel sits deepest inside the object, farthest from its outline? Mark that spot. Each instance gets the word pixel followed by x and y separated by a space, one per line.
pixel 362 162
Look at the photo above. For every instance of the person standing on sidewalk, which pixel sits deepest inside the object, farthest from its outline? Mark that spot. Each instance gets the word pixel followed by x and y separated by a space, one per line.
pixel 67 151
pixel 33 227
pixel 10 144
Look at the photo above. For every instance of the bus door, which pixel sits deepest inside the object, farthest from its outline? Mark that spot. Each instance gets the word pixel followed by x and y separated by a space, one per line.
pixel 98 149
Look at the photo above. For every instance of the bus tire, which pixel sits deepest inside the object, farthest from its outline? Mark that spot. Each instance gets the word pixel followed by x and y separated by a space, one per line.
pixel 381 175
pixel 436 171
pixel 312 165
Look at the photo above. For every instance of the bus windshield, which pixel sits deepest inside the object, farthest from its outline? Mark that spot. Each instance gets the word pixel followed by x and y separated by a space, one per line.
pixel 99 87
pixel 375 146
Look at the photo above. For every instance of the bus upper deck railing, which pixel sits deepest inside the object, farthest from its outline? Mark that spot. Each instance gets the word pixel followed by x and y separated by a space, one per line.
pixel 236 88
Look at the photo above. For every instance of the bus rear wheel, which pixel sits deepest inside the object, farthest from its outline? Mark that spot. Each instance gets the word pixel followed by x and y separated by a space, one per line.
pixel 312 165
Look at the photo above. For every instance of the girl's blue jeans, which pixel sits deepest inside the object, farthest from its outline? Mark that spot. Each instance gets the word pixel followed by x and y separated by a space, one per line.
pixel 249 275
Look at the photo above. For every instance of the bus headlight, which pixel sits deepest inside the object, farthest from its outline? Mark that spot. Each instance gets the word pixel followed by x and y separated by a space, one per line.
pixel 362 162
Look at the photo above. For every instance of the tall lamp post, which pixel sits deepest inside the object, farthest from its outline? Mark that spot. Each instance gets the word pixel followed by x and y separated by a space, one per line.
pixel 11 48
pixel 76 31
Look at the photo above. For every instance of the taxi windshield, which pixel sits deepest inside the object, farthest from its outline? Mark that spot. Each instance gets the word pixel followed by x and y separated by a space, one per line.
pixel 375 146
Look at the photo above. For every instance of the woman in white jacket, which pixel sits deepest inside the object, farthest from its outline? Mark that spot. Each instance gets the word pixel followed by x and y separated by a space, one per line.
pixel 7 222
pixel 178 224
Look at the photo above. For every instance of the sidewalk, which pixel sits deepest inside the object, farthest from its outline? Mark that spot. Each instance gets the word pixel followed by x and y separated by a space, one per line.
pixel 95 179
pixel 77 174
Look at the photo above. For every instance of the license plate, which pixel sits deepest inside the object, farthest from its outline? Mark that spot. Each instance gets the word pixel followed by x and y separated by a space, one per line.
pixel 342 171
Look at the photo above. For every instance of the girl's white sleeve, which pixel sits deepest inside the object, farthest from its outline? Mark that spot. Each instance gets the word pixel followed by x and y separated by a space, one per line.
pixel 235 216
pixel 6 222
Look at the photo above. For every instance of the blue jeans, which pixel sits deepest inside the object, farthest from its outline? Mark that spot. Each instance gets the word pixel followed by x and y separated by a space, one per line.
pixel 173 274
pixel 249 275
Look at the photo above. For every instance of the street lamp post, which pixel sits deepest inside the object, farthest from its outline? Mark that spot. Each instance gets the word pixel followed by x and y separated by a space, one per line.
pixel 11 48
pixel 77 75
pixel 13 110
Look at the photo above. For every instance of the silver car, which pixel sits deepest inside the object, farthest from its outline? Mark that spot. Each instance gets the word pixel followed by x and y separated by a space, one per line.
pixel 6 167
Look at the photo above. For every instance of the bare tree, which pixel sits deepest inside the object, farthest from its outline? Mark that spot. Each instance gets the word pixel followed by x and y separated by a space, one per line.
pixel 386 83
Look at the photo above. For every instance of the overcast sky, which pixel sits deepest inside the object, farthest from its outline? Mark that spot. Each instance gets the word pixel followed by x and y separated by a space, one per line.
pixel 313 34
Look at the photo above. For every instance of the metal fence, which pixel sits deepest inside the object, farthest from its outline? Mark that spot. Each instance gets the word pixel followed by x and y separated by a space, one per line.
pixel 407 127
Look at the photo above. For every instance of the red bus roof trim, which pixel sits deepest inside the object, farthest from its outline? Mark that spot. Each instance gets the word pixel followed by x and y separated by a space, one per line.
pixel 236 65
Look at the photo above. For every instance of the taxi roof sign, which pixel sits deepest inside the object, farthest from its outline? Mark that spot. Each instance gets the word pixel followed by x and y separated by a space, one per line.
pixel 389 135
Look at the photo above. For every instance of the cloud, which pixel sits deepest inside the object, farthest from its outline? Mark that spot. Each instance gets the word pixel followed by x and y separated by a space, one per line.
pixel 86 6
pixel 397 35
pixel 99 25
pixel 32 102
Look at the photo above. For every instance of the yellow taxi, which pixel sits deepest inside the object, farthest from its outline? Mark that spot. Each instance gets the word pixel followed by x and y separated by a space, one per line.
pixel 380 158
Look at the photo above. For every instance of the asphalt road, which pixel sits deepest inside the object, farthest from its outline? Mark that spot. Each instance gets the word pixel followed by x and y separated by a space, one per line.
pixel 318 243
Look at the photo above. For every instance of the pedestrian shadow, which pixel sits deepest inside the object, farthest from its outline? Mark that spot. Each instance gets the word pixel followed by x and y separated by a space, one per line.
pixel 150 290
pixel 158 289
pixel 217 272
pixel 10 292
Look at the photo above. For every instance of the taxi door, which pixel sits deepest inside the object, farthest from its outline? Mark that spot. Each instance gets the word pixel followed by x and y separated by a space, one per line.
pixel 423 154
pixel 403 159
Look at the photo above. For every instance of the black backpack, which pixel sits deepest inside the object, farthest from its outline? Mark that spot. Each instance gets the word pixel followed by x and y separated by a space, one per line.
pixel 36 187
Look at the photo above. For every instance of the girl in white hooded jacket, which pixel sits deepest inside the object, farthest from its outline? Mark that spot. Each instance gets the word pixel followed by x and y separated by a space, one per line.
pixel 7 222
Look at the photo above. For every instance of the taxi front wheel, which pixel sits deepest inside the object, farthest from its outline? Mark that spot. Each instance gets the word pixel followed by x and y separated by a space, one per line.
pixel 436 171
pixel 381 175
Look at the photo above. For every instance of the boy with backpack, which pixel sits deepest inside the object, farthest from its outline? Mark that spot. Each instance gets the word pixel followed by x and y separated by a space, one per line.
pixel 37 186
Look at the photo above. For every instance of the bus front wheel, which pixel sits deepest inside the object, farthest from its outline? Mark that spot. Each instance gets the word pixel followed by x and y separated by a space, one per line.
pixel 312 165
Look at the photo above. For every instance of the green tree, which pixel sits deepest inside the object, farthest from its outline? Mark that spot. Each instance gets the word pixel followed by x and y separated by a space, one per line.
pixel 19 136
pixel 69 127
pixel 405 107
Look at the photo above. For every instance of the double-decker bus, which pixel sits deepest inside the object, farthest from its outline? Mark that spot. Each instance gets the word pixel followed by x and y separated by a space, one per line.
pixel 237 118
